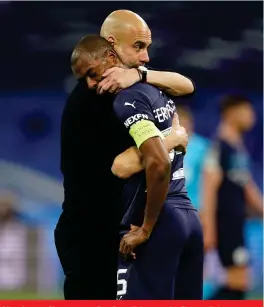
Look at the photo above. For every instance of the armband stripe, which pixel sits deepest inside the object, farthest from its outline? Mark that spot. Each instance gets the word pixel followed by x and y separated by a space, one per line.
pixel 143 130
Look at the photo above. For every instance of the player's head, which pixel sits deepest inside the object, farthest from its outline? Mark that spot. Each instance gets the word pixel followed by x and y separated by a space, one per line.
pixel 238 111
pixel 91 57
pixel 129 35
pixel 185 118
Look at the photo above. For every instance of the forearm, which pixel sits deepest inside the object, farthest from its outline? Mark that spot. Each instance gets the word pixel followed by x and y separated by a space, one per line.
pixel 209 211
pixel 209 202
pixel 171 82
pixel 254 197
pixel 127 163
pixel 130 161
pixel 157 189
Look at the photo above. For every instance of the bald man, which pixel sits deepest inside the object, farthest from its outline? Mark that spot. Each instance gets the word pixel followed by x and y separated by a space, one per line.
pixel 131 38
pixel 87 233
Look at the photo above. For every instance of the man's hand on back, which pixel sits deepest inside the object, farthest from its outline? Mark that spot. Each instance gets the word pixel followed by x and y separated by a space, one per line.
pixel 116 79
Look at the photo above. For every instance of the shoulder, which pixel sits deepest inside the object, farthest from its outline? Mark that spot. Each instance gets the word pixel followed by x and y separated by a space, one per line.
pixel 79 95
pixel 141 92
pixel 80 90
pixel 225 147
pixel 220 150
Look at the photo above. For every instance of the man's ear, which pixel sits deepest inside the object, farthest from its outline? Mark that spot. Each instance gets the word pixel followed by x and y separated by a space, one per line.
pixel 111 40
pixel 111 56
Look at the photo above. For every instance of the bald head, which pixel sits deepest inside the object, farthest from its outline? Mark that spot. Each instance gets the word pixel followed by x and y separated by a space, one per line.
pixel 129 35
pixel 120 22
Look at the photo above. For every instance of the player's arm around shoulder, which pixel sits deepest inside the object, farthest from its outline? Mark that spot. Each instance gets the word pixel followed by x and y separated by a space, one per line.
pixel 174 84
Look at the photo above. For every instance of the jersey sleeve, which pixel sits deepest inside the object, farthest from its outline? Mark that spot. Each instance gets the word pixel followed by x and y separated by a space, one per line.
pixel 218 156
pixel 134 110
pixel 213 158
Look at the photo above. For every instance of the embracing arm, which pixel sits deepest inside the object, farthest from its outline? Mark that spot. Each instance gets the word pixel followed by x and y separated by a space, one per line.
pixel 131 161
pixel 128 163
pixel 172 83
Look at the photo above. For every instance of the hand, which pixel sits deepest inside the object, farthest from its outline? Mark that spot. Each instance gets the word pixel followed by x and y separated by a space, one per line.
pixel 178 136
pixel 135 237
pixel 116 79
pixel 238 278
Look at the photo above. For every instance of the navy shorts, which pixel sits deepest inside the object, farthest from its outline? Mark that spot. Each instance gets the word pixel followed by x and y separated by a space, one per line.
pixel 170 264
pixel 231 242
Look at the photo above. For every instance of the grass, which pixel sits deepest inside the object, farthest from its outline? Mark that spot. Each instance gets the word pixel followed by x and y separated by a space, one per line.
pixel 27 295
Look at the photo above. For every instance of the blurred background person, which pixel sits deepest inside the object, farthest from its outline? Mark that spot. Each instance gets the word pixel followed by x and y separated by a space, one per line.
pixel 12 243
pixel 194 159
pixel 227 188
pixel 223 58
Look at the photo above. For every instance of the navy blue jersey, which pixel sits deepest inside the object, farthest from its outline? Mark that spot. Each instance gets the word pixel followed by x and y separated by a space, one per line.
pixel 233 162
pixel 147 112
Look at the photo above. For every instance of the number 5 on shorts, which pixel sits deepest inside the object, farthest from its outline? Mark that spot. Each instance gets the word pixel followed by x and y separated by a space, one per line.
pixel 121 283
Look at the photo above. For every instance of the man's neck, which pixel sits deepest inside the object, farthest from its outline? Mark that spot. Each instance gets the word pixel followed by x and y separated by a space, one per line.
pixel 230 134
pixel 121 65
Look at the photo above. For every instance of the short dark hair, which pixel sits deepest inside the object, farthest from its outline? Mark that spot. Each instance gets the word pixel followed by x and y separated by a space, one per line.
pixel 93 45
pixel 231 101
pixel 183 110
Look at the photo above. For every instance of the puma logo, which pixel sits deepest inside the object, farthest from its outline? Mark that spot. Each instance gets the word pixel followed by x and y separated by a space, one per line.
pixel 130 104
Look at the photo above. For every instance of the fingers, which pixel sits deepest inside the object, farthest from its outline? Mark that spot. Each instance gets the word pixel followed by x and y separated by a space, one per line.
pixel 104 86
pixel 114 88
pixel 109 71
pixel 175 121
pixel 102 83
pixel 122 246
pixel 128 248
pixel 133 228
pixel 125 247
pixel 129 242
pixel 108 84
